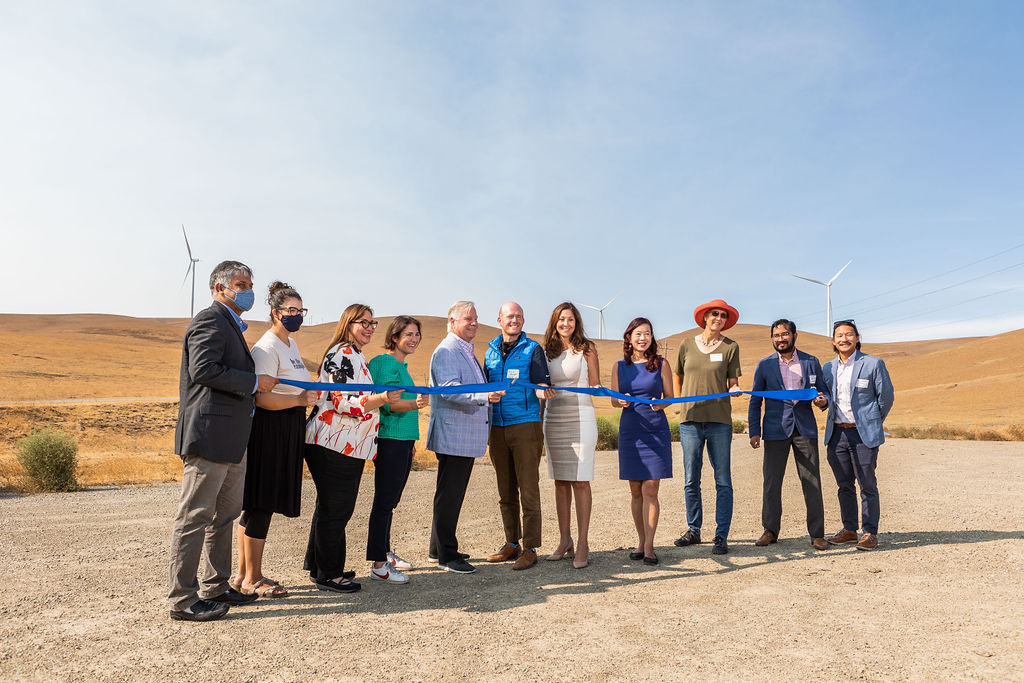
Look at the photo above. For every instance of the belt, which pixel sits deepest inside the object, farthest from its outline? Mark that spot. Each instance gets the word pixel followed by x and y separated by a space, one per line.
pixel 846 425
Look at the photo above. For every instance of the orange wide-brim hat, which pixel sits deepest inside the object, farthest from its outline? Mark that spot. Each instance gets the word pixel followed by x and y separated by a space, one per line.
pixel 701 311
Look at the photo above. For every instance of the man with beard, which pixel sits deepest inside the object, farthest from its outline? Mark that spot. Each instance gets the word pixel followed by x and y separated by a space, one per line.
pixel 788 425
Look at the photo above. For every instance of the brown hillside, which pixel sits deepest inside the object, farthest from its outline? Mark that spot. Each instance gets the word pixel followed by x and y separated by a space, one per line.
pixel 963 382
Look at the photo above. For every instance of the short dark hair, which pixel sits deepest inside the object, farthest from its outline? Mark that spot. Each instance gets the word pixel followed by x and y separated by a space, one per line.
pixel 845 323
pixel 788 324
pixel 396 328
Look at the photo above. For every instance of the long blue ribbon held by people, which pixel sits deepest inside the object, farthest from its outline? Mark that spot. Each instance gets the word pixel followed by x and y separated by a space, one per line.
pixel 783 395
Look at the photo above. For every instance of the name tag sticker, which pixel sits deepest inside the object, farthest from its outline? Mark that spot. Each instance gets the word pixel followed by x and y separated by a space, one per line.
pixel 716 358
pixel 513 373
pixel 862 383
pixel 813 378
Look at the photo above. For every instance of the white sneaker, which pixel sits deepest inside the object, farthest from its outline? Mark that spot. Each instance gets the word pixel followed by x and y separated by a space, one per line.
pixel 388 573
pixel 397 562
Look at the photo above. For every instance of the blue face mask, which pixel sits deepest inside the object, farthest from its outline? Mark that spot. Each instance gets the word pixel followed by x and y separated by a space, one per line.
pixel 244 300
pixel 292 323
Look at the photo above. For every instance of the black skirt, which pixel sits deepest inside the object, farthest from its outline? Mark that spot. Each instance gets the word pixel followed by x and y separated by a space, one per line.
pixel 273 471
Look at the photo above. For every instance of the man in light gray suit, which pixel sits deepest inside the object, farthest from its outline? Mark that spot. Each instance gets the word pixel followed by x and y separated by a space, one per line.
pixel 860 397
pixel 215 407
pixel 457 432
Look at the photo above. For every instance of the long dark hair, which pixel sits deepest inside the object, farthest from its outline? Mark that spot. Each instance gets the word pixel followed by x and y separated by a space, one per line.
pixel 278 293
pixel 578 340
pixel 651 354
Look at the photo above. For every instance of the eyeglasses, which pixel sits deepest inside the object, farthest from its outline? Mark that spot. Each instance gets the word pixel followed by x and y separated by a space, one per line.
pixel 367 324
pixel 849 322
pixel 291 310
pixel 782 335
pixel 720 314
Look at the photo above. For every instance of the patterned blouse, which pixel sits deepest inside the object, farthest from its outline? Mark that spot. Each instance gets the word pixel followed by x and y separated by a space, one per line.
pixel 338 420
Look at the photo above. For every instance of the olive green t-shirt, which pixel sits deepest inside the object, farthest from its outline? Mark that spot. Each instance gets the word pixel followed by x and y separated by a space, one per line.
pixel 707 373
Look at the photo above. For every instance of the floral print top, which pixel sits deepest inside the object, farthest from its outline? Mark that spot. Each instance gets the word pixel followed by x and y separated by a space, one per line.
pixel 338 420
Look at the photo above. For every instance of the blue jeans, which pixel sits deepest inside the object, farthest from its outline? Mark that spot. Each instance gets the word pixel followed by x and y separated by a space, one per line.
pixel 718 438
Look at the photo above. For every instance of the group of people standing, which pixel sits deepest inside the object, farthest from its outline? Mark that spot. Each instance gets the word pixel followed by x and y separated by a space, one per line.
pixel 243 436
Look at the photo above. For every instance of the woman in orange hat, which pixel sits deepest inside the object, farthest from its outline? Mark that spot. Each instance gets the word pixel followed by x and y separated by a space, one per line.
pixel 709 363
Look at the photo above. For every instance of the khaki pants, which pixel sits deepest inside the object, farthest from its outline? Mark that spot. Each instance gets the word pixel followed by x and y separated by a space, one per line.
pixel 211 498
pixel 515 453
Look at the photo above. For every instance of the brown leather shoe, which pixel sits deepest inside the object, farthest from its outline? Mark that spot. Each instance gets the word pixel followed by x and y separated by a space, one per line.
pixel 844 536
pixel 819 543
pixel 867 542
pixel 507 552
pixel 527 559
pixel 766 538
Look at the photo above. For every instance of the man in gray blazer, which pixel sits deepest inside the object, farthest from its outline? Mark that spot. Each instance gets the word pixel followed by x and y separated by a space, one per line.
pixel 860 397
pixel 457 432
pixel 217 385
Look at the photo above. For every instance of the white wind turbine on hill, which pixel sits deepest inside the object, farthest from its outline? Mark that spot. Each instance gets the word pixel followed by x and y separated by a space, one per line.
pixel 600 313
pixel 191 269
pixel 828 295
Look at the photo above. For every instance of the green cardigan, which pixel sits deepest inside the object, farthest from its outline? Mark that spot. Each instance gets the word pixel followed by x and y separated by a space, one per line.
pixel 385 369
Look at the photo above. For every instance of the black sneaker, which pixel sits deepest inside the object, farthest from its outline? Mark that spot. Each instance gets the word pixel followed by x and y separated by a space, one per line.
pixel 459 566
pixel 691 537
pixel 432 557
pixel 201 610
pixel 233 597
pixel 720 546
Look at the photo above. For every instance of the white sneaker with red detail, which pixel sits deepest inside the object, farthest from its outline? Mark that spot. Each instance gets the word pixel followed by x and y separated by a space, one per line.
pixel 387 573
pixel 397 562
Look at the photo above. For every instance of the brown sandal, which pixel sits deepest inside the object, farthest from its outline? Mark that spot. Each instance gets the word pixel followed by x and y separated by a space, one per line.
pixel 265 588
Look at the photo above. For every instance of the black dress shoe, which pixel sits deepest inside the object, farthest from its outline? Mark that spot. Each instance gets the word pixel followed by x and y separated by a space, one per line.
pixel 345 586
pixel 651 560
pixel 233 597
pixel 636 554
pixel 691 537
pixel 201 610
pixel 720 547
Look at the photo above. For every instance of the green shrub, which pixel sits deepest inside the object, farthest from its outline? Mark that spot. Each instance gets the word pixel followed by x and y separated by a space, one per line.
pixel 673 428
pixel 738 426
pixel 607 434
pixel 50 459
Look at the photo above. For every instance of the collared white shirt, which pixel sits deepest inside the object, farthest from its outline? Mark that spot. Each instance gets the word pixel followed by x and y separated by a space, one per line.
pixel 467 348
pixel 844 390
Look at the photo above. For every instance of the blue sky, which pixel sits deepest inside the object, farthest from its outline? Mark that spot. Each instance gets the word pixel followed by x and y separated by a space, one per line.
pixel 410 154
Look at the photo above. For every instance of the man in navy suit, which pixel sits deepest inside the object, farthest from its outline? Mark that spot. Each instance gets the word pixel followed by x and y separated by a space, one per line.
pixel 788 425
pixel 860 397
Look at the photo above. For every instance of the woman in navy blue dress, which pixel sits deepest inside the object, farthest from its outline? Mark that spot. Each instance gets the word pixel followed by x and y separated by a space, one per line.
pixel 645 444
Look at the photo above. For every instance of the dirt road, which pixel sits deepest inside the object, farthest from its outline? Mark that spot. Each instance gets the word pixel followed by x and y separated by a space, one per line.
pixel 85 575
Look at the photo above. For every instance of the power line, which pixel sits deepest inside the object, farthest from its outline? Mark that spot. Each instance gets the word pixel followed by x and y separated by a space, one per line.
pixel 927 279
pixel 936 291
pixel 943 308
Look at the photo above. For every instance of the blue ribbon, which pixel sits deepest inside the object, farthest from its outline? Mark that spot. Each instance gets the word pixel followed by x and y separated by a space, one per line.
pixel 782 395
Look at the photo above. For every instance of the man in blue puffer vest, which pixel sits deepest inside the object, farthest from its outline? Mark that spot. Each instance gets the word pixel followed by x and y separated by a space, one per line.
pixel 516 437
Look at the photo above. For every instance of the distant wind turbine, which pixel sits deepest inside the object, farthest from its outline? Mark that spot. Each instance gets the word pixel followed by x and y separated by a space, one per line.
pixel 828 295
pixel 600 313
pixel 191 269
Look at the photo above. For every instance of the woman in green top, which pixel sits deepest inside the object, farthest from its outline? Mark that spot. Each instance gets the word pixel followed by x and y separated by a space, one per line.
pixel 396 445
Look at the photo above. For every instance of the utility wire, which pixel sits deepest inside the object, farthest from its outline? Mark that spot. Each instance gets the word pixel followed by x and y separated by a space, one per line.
pixel 927 279
pixel 943 308
pixel 935 291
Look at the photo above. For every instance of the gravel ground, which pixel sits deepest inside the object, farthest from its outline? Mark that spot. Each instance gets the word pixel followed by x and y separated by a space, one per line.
pixel 85 579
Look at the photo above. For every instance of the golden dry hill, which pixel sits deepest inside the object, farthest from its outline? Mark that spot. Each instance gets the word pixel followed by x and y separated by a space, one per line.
pixel 970 382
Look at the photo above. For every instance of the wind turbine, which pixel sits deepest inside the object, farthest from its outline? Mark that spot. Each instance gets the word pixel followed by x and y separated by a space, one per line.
pixel 828 294
pixel 191 269
pixel 600 313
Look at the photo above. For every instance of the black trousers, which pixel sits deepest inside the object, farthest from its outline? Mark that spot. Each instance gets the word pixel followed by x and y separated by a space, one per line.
pixel 776 456
pixel 390 474
pixel 336 478
pixel 453 472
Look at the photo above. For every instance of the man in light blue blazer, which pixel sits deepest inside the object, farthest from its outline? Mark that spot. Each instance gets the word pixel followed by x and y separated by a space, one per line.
pixel 457 432
pixel 788 425
pixel 860 397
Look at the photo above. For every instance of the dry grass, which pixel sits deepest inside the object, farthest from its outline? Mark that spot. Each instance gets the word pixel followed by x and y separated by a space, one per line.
pixel 953 433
